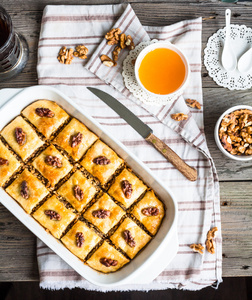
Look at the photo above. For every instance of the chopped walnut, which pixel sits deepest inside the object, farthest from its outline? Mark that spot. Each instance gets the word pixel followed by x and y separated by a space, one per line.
pixel 150 211
pixel 210 244
pixel 3 161
pixel 179 117
pixel 235 132
pixel 53 161
pixel 81 52
pixel 65 55
pixel 24 191
pixel 193 103
pixel 107 61
pixel 116 52
pixel 101 160
pixel 53 215
pixel 79 239
pixel 78 193
pixel 129 43
pixel 127 188
pixel 212 233
pixel 113 36
pixel 129 238
pixel 197 248
pixel 76 140
pixel 108 262
pixel 133 62
pixel 20 136
pixel 123 40
pixel 44 112
pixel 101 213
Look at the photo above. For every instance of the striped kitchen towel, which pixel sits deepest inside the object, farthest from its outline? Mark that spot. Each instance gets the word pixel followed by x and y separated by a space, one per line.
pixel 198 202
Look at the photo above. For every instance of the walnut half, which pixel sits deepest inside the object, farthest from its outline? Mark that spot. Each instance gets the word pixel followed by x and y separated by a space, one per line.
pixel 65 55
pixel 197 248
pixel 107 61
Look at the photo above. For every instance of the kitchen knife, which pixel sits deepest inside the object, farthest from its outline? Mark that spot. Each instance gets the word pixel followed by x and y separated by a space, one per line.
pixel 146 132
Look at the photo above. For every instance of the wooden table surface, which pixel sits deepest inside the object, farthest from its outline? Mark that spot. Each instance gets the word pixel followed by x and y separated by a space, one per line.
pixel 17 244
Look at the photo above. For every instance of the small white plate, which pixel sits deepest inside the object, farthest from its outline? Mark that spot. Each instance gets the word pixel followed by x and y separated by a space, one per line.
pixel 240 41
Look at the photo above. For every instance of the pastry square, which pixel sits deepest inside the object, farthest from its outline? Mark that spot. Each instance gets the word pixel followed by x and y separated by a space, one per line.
pixel 93 161
pixel 47 121
pixel 31 141
pixel 72 239
pixel 127 179
pixel 51 172
pixel 152 223
pixel 8 163
pixel 54 216
pixel 107 221
pixel 75 138
pixel 68 190
pixel 133 246
pixel 36 190
pixel 103 254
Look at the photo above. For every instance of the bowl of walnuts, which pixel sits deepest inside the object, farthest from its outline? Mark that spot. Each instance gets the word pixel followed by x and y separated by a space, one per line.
pixel 233 133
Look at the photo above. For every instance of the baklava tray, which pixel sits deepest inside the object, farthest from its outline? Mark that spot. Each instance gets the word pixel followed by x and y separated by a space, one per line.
pixel 155 256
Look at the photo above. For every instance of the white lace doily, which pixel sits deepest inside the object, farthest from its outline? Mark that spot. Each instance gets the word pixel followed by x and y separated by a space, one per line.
pixel 131 83
pixel 241 39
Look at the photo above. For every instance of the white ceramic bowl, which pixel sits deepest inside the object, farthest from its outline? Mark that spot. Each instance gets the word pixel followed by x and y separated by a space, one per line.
pixel 170 46
pixel 216 134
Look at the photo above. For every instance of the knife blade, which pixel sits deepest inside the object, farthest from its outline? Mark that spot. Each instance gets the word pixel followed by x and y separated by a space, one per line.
pixel 146 132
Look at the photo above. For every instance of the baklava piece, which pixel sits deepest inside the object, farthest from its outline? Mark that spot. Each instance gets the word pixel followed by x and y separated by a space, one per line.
pixel 107 259
pixel 8 164
pixel 80 239
pixel 52 165
pixel 75 138
pixel 27 190
pixel 101 161
pixel 130 237
pixel 150 212
pixel 54 216
pixel 127 188
pixel 77 190
pixel 104 213
pixel 46 116
pixel 21 137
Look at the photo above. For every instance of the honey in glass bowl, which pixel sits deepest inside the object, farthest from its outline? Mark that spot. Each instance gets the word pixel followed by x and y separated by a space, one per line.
pixel 162 71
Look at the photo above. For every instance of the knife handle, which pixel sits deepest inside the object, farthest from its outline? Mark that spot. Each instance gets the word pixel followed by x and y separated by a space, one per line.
pixel 189 172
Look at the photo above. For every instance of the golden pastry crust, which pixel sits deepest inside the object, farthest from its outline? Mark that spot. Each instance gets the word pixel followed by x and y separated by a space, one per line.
pixel 91 239
pixel 6 170
pixel 64 139
pixel 102 172
pixel 137 186
pixel 32 143
pixel 56 227
pixel 106 251
pixel 45 125
pixel 152 223
pixel 53 174
pixel 140 237
pixel 36 190
pixel 67 190
pixel 106 203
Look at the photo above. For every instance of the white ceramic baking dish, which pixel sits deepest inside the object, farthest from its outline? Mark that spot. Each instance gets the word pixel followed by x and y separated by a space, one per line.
pixel 158 253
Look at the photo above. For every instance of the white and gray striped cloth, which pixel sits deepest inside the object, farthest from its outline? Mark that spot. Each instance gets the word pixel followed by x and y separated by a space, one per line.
pixel 198 202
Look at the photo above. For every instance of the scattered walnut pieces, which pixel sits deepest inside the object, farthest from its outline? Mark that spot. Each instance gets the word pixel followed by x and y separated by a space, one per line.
pixel 129 43
pixel 116 52
pixel 193 103
pixel 210 244
pixel 107 61
pixel 123 40
pixel 133 62
pixel 65 55
pixel 197 248
pixel 113 36
pixel 179 117
pixel 81 52
pixel 235 132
